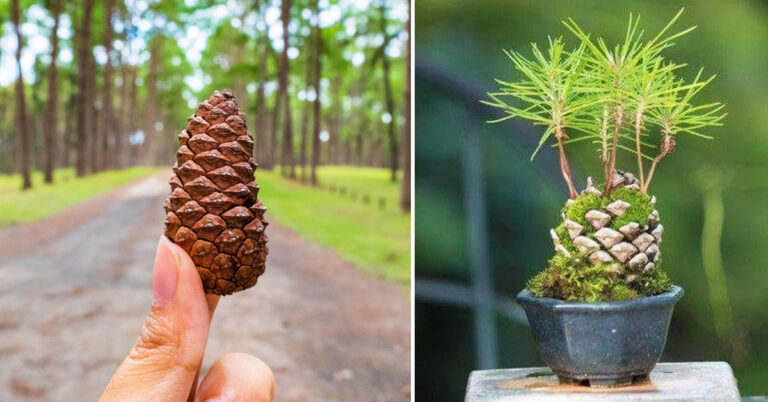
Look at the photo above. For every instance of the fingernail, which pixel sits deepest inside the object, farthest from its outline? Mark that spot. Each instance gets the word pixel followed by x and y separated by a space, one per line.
pixel 166 273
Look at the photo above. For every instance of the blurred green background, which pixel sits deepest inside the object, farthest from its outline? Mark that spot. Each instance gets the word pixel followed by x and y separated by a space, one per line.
pixel 723 182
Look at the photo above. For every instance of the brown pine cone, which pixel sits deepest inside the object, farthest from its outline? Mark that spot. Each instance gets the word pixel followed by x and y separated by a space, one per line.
pixel 213 211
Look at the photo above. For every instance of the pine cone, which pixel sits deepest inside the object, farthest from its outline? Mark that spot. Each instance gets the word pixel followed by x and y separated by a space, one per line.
pixel 632 249
pixel 213 211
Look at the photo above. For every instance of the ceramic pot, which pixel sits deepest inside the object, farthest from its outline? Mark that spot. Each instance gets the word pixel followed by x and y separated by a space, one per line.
pixel 600 344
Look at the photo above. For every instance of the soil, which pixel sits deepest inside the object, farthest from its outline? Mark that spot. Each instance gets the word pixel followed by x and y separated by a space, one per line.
pixel 75 288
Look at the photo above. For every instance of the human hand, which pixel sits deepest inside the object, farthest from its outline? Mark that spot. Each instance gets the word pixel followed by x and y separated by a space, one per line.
pixel 165 362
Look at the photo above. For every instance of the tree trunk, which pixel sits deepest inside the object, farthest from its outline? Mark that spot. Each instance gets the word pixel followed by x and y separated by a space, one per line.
pixel 133 109
pixel 33 130
pixel 356 145
pixel 35 111
pixel 70 117
pixel 21 105
pixel 287 163
pixel 6 152
pixel 317 110
pixel 49 122
pixel 334 126
pixel 305 111
pixel 14 140
pixel 151 116
pixel 84 106
pixel 347 153
pixel 393 154
pixel 95 115
pixel 123 148
pixel 377 158
pixel 405 146
pixel 261 112
pixel 373 152
pixel 107 126
pixel 50 125
pixel 303 141
pixel 272 157
pixel 121 119
pixel 359 149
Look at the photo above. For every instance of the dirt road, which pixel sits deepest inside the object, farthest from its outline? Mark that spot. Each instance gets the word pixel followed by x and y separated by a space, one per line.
pixel 75 288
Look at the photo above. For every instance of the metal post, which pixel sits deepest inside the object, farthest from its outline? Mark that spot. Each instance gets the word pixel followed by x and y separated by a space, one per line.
pixel 474 202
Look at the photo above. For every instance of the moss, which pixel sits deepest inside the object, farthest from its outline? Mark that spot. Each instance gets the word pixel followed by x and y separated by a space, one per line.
pixel 574 279
pixel 565 239
pixel 655 282
pixel 639 207
pixel 581 205
pixel 621 291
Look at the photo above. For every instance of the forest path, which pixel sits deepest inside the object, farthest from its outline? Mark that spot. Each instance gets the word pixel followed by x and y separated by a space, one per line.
pixel 75 289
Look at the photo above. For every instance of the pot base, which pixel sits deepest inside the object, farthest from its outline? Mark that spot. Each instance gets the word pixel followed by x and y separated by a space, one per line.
pixel 607 381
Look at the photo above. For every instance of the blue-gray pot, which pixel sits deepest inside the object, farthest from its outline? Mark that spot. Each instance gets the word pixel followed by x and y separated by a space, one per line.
pixel 600 344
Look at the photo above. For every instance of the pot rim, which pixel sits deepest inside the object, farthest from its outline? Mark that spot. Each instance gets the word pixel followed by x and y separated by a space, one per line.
pixel 527 298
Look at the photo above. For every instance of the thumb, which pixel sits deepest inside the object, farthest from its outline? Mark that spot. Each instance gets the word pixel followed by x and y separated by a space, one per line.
pixel 165 359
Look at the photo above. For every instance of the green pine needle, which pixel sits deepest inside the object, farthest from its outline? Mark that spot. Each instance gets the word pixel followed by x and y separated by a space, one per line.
pixel 573 88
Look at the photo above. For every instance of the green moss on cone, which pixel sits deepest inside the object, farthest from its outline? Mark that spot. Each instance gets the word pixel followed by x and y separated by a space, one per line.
pixel 577 280
pixel 574 278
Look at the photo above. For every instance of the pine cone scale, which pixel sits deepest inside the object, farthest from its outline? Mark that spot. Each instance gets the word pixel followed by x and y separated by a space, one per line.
pixel 201 143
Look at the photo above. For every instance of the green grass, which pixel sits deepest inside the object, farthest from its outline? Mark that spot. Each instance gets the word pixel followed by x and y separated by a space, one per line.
pixel 46 199
pixel 376 239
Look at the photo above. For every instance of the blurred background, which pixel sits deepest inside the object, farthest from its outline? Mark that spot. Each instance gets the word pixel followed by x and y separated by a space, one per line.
pixel 93 94
pixel 484 209
pixel 128 73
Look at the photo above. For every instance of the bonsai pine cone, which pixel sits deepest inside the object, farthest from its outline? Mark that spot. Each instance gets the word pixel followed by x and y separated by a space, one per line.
pixel 213 211
pixel 632 249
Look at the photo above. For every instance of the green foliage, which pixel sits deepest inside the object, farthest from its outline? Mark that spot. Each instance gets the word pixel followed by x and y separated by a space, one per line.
pixel 613 96
pixel 173 68
pixel 203 45
pixel 47 199
pixel 682 116
pixel 577 280
pixel 349 93
pixel 228 61
pixel 550 90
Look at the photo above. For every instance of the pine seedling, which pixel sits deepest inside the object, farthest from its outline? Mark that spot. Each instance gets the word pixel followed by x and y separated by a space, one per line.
pixel 625 98
pixel 552 94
